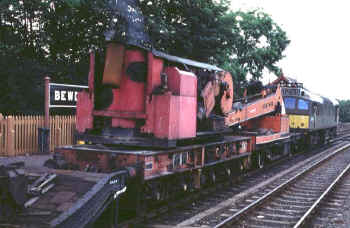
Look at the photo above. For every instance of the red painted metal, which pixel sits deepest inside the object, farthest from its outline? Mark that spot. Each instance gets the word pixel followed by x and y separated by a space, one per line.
pixel 84 112
pixel 120 114
pixel 171 115
pixel 258 108
pixel 168 115
pixel 276 123
pixel 181 83
pixel 85 101
pixel 91 74
pixel 155 68
pixel 170 112
pixel 132 94
pixel 176 110
pixel 130 97
pixel 175 117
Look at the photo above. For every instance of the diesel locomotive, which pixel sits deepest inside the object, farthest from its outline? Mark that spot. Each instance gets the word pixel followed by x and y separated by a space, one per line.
pixel 311 114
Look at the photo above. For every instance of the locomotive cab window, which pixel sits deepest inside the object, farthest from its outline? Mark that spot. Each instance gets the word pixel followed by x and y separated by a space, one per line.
pixel 303 104
pixel 289 102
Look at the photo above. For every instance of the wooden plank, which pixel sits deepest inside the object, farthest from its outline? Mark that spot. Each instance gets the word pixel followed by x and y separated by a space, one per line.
pixel 2 135
pixel 32 130
pixel 10 149
pixel 35 142
pixel 19 134
pixel 5 137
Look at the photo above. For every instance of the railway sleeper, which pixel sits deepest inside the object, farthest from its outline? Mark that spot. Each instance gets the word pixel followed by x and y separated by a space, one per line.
pixel 273 210
pixel 297 197
pixel 302 194
pixel 294 202
pixel 282 206
pixel 266 222
pixel 279 217
pixel 305 189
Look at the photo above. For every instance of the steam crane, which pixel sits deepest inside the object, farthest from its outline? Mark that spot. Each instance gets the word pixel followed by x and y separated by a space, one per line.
pixel 173 123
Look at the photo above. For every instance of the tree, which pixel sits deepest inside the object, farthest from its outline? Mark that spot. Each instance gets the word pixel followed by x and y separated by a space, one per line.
pixel 204 30
pixel 54 37
pixel 344 110
pixel 44 37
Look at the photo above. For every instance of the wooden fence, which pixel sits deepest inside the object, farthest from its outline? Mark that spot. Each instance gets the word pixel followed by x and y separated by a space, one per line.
pixel 19 134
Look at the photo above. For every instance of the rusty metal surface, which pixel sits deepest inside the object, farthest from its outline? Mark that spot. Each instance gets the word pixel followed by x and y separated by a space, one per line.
pixel 112 74
pixel 67 191
pixel 131 141
pixel 116 150
pixel 227 95
pixel 89 207
pixel 77 199
pixel 208 98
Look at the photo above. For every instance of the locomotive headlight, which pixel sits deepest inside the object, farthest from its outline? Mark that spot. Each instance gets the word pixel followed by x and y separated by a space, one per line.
pixel 80 142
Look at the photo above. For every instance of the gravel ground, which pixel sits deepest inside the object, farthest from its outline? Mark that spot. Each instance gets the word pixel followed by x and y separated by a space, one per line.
pixel 342 218
pixel 186 216
pixel 346 213
pixel 30 161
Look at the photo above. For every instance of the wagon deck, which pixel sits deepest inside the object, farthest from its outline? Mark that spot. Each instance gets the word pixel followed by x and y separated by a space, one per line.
pixel 76 199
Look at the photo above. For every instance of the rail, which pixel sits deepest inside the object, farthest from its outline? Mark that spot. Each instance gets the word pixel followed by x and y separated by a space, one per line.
pixel 303 219
pixel 232 219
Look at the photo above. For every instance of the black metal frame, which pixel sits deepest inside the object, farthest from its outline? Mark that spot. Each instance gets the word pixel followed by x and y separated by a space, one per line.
pixel 88 209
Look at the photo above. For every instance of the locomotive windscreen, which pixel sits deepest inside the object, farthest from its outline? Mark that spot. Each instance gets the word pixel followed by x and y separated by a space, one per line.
pixel 289 102
pixel 128 24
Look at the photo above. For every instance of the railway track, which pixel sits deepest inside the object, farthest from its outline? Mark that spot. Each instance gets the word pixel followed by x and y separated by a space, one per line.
pixel 333 211
pixel 213 200
pixel 292 203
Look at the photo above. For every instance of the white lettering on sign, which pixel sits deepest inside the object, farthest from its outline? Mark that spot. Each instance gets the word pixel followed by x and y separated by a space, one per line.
pixel 57 95
pixel 70 95
pixel 64 95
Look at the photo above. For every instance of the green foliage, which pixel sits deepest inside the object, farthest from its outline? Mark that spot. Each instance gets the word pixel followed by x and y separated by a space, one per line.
pixel 344 110
pixel 259 43
pixel 192 29
pixel 240 42
pixel 54 37
pixel 44 37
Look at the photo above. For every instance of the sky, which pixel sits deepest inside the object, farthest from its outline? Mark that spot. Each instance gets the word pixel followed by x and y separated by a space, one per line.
pixel 319 52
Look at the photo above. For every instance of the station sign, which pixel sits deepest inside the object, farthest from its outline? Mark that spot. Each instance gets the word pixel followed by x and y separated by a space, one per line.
pixel 64 95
